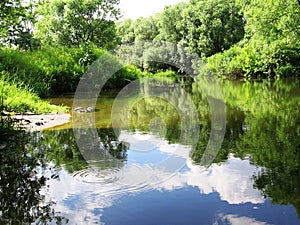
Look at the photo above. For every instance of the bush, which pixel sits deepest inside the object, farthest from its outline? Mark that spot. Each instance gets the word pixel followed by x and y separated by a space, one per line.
pixel 19 98
pixel 48 71
pixel 257 59
pixel 54 71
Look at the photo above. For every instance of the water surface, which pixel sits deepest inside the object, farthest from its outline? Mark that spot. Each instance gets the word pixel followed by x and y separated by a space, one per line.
pixel 122 178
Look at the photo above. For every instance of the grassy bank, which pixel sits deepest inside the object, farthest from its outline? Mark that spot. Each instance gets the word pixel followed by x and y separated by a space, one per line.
pixel 47 71
pixel 19 98
pixel 53 71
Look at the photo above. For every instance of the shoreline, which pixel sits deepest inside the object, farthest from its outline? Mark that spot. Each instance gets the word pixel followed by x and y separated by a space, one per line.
pixel 38 122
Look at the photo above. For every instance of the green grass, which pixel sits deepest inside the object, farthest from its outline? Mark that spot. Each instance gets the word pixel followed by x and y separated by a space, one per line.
pixel 19 98
pixel 48 71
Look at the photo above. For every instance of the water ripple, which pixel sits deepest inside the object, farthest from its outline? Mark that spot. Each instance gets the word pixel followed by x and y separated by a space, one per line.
pixel 96 175
pixel 132 179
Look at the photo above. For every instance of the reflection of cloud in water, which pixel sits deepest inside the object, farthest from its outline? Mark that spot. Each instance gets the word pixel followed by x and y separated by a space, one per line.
pixel 232 180
pixel 236 220
pixel 78 200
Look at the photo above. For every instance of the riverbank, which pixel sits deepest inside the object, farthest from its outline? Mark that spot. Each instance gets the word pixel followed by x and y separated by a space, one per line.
pixel 37 122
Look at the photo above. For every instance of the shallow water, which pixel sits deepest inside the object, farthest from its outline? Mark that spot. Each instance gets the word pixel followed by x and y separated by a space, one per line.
pixel 150 170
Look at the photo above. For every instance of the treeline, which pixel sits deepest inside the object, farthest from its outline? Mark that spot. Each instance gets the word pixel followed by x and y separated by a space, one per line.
pixel 48 44
pixel 236 38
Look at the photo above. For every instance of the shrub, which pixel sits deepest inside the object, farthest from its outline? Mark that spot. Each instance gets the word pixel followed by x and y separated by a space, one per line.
pixel 19 98
pixel 48 71
pixel 257 59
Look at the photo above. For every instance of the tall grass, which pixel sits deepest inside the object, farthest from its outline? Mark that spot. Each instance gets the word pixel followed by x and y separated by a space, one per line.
pixel 54 71
pixel 6 124
pixel 47 71
pixel 18 97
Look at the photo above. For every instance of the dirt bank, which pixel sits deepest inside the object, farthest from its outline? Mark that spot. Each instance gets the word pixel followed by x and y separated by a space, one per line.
pixel 33 122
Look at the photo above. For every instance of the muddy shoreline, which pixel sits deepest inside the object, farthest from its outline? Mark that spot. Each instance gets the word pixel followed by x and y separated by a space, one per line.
pixel 37 122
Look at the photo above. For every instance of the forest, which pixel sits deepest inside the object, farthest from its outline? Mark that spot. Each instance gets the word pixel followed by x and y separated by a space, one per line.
pixel 47 45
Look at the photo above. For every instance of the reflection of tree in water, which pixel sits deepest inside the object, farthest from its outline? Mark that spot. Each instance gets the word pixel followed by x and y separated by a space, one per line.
pixel 271 137
pixel 274 144
pixel 234 125
pixel 146 110
pixel 61 148
pixel 256 129
pixel 262 124
pixel 271 141
pixel 164 99
pixel 20 184
pixel 25 168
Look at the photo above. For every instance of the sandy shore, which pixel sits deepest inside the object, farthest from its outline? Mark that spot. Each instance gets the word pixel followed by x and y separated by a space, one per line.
pixel 32 122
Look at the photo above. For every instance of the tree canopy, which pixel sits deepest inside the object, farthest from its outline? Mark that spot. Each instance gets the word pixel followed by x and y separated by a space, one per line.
pixel 16 25
pixel 206 27
pixel 238 38
pixel 73 22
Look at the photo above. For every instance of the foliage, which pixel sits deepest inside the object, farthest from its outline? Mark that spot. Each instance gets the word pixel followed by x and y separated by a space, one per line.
pixel 272 44
pixel 142 29
pixel 22 179
pixel 51 70
pixel 241 38
pixel 257 60
pixel 212 26
pixel 172 28
pixel 54 71
pixel 74 22
pixel 17 18
pixel 204 27
pixel 19 98
pixel 158 56
pixel 125 31
pixel 273 20
pixel 145 28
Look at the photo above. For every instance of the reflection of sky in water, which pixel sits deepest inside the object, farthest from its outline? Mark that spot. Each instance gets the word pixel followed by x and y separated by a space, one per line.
pixel 152 158
pixel 144 148
pixel 142 194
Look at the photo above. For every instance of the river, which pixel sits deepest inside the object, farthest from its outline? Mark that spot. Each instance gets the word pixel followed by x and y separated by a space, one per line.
pixel 143 158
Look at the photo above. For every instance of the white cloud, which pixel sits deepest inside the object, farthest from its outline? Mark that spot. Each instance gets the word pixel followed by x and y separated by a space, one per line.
pixel 79 194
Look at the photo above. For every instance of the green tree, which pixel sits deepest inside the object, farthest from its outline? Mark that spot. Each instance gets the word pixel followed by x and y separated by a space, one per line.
pixel 273 19
pixel 16 23
pixel 271 44
pixel 172 28
pixel 142 29
pixel 125 31
pixel 145 28
pixel 73 22
pixel 213 26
